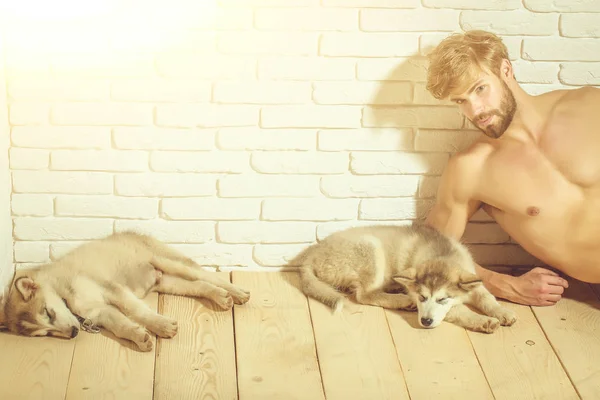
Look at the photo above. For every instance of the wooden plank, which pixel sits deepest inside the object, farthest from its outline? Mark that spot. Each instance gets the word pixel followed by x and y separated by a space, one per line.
pixel 519 363
pixel 107 367
pixel 199 362
pixel 34 368
pixel 276 355
pixel 437 363
pixel 572 326
pixel 356 353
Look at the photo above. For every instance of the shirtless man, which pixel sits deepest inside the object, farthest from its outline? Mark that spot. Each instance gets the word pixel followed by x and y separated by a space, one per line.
pixel 536 170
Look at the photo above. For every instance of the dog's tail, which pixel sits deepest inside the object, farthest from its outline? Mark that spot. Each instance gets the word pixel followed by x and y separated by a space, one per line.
pixel 319 290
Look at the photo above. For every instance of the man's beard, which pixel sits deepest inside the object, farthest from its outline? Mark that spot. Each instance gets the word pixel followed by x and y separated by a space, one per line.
pixel 505 115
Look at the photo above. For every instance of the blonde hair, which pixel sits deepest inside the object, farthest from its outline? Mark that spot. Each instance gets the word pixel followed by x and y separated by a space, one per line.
pixel 459 59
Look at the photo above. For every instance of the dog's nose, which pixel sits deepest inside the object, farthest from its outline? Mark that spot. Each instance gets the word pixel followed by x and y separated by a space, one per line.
pixel 426 321
pixel 74 332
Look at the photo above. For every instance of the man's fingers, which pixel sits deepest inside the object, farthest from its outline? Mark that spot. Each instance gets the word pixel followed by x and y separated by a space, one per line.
pixel 557 281
pixel 553 298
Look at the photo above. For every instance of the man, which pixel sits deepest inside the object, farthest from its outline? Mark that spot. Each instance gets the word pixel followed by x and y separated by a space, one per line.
pixel 536 169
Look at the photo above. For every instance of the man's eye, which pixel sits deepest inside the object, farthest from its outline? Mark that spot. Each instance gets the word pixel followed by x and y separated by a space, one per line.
pixel 480 88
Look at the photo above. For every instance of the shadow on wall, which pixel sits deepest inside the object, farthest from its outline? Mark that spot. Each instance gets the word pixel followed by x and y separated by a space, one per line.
pixel 432 130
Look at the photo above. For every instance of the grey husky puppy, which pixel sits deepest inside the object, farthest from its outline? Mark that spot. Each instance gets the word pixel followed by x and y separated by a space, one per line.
pixel 401 267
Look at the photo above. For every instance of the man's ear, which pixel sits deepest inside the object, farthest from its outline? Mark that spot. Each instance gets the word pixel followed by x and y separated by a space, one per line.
pixel 406 276
pixel 506 70
pixel 469 281
pixel 27 287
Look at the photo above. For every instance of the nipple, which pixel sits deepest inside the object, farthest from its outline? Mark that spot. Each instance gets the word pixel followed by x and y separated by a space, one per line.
pixel 533 211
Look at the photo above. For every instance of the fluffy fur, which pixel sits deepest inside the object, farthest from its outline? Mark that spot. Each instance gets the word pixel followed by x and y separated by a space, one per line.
pixel 401 267
pixel 105 281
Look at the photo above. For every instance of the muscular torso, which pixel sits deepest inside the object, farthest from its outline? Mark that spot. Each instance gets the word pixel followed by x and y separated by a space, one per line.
pixel 546 195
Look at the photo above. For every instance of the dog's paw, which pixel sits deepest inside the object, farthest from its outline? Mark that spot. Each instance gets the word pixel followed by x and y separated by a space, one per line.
pixel 489 325
pixel 408 307
pixel 143 340
pixel 240 296
pixel 166 328
pixel 223 299
pixel 506 317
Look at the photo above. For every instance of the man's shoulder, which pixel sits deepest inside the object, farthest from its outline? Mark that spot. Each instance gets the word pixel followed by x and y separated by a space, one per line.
pixel 566 99
pixel 474 155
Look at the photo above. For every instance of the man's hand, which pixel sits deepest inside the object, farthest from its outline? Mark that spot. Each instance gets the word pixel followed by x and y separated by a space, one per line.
pixel 537 287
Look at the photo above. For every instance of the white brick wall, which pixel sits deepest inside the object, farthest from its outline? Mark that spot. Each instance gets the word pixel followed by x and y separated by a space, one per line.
pixel 243 132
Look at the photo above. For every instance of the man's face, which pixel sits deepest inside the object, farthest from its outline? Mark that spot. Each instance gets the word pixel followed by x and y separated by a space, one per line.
pixel 489 104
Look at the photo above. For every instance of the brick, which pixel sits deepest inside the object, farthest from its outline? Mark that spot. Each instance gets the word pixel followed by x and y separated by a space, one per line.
pixel 562 5
pixel 31 252
pixel 580 25
pixel 103 64
pixel 445 140
pixel 536 72
pixel 374 163
pixel 394 209
pixel 164 185
pixel 106 206
pixel 501 254
pixel 383 139
pixel 266 232
pixel 266 3
pixel 306 19
pixel 419 20
pixel 412 69
pixel 163 138
pixel 99 160
pixel 306 68
pixel 61 228
pixel 358 93
pixel 262 92
pixel 161 90
pixel 188 65
pixel 62 182
pixel 561 49
pixel 299 162
pixel 253 185
pixel 23 65
pixel 206 161
pixel 484 233
pixel 474 4
pixel 21 113
pixel 102 114
pixel 161 40
pixel 372 3
pixel 217 254
pixel 29 158
pixel 225 18
pixel 315 209
pixel 32 205
pixel 310 117
pixel 212 209
pixel 258 43
pixel 516 22
pixel 428 187
pixel 368 44
pixel 269 139
pixel 580 73
pixel 423 97
pixel 58 90
pixel 421 117
pixel 50 137
pixel 430 40
pixel 213 115
pixel 170 231
pixel 370 186
pixel 276 255
pixel 328 228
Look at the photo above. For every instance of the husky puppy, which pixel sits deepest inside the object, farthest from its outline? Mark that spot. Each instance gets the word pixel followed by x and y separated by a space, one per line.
pixel 401 267
pixel 101 283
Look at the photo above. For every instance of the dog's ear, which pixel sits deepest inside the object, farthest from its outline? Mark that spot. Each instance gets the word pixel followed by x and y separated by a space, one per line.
pixel 406 276
pixel 469 281
pixel 27 287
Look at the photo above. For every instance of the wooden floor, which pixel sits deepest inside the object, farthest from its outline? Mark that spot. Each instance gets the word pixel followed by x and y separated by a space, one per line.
pixel 282 346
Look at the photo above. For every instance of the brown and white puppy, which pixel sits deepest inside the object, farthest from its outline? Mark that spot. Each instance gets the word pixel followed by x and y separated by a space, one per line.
pixel 434 274
pixel 102 283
